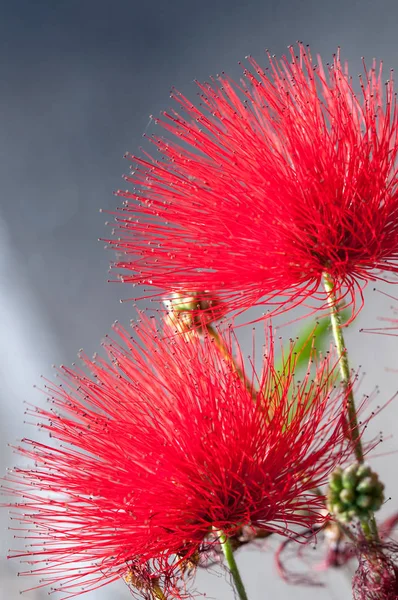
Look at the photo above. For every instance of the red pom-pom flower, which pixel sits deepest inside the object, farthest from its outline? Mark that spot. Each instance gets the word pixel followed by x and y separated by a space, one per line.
pixel 266 186
pixel 162 448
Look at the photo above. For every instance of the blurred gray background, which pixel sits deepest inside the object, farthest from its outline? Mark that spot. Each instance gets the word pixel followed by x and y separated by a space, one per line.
pixel 78 80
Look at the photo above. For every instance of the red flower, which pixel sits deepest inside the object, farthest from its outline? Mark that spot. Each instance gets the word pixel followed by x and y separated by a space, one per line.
pixel 267 185
pixel 164 445
pixel 376 577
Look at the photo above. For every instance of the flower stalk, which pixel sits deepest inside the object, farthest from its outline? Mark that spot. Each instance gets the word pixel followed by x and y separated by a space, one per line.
pixel 369 526
pixel 233 567
pixel 227 355
pixel 345 371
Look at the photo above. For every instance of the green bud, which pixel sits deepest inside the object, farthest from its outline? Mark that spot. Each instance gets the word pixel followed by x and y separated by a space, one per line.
pixel 347 496
pixel 354 492
pixel 366 485
pixel 379 488
pixel 349 477
pixel 364 471
pixel 364 501
pixel 376 503
pixel 335 482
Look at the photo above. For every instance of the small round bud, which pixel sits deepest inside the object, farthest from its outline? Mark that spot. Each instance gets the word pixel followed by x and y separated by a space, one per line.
pixel 364 471
pixel 347 496
pixel 364 501
pixel 335 482
pixel 192 310
pixel 349 477
pixel 354 492
pixel 366 485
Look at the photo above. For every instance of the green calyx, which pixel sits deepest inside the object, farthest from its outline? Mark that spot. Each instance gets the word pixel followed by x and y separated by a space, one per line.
pixel 354 492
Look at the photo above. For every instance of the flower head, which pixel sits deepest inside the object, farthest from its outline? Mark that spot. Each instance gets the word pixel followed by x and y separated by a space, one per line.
pixel 267 185
pixel 376 577
pixel 162 446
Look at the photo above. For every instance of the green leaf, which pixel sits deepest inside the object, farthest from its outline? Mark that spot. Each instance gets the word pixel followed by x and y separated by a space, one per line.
pixel 313 339
pixel 303 345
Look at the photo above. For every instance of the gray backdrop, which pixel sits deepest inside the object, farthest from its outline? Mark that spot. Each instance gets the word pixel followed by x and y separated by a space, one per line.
pixel 78 80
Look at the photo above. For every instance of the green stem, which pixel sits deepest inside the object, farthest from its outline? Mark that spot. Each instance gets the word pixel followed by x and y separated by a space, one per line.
pixel 344 368
pixel 233 567
pixel 368 527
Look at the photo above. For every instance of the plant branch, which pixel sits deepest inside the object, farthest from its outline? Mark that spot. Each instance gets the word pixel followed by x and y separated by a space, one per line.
pixel 368 527
pixel 226 354
pixel 344 368
pixel 233 567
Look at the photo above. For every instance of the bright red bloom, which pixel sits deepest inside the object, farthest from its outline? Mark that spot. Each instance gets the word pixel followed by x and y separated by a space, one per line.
pixel 265 186
pixel 164 445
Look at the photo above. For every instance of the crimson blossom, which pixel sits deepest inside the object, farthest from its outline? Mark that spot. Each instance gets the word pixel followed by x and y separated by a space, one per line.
pixel 376 577
pixel 162 448
pixel 266 186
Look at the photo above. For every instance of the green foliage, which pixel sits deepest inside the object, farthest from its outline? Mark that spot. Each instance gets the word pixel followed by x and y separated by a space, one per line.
pixel 312 341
